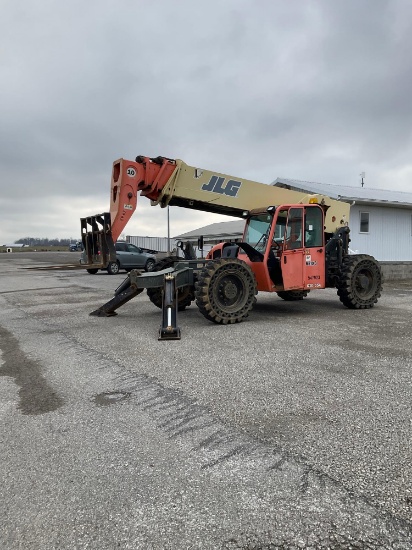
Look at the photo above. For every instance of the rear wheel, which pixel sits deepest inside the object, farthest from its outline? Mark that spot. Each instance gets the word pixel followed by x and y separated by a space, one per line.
pixel 113 268
pixel 360 283
pixel 150 265
pixel 292 295
pixel 92 271
pixel 185 295
pixel 225 291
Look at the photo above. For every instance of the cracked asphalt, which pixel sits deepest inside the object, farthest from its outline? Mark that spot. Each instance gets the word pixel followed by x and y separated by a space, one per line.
pixel 290 430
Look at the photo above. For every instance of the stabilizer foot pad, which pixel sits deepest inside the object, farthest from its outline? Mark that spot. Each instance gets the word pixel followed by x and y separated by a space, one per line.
pixel 102 313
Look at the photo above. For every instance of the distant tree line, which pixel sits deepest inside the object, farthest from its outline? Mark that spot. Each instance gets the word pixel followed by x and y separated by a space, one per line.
pixel 35 241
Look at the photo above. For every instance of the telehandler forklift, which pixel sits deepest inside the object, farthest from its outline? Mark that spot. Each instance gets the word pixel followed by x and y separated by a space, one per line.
pixel 293 243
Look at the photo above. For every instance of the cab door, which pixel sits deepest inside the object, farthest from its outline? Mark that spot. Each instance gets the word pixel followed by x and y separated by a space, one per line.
pixel 293 258
pixel 314 247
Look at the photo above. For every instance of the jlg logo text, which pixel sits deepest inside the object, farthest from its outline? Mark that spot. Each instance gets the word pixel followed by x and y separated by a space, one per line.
pixel 217 185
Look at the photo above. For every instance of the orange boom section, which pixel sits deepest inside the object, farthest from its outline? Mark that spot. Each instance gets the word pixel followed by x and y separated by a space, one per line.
pixel 146 175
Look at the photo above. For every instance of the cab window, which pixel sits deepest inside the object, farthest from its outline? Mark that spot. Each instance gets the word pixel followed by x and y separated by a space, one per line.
pixel 279 233
pixel 313 227
pixel 294 233
pixel 257 231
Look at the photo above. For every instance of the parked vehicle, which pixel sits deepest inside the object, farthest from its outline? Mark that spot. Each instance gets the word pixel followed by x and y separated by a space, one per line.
pixel 74 247
pixel 128 257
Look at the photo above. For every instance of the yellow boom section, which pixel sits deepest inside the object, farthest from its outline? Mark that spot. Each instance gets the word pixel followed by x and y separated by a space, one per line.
pixel 210 191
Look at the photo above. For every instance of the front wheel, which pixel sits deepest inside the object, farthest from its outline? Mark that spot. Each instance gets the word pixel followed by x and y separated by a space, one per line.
pixel 113 268
pixel 360 282
pixel 92 271
pixel 225 291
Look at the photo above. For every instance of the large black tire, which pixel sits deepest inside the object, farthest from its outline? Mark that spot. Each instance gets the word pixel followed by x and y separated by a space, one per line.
pixel 292 295
pixel 185 295
pixel 92 271
pixel 360 282
pixel 226 290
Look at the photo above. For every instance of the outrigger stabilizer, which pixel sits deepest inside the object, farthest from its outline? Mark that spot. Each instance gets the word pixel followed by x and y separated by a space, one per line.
pixel 171 279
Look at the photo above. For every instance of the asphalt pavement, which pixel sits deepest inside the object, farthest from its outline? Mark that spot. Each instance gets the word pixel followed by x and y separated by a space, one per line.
pixel 289 430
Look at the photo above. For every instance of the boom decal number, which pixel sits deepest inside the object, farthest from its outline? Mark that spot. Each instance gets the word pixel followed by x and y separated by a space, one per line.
pixel 217 185
pixel 131 172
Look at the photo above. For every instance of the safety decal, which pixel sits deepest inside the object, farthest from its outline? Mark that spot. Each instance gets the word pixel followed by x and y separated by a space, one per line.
pixel 313 277
pixel 311 263
pixel 128 207
pixel 220 185
pixel 308 257
pixel 131 172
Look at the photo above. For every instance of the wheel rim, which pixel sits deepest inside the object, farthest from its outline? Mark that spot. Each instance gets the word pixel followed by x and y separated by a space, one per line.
pixel 229 292
pixel 114 268
pixel 364 282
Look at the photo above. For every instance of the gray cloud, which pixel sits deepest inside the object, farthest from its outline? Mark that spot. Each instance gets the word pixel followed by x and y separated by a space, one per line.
pixel 317 90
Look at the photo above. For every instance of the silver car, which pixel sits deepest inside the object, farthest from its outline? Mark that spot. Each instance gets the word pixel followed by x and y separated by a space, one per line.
pixel 129 256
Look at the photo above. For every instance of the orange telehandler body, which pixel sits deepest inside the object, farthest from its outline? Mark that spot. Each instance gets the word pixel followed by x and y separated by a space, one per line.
pixel 293 242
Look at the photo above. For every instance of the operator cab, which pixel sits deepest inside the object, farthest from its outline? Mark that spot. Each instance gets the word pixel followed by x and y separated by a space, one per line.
pixel 289 242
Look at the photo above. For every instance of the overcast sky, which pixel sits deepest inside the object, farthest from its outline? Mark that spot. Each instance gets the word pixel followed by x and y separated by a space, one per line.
pixel 318 90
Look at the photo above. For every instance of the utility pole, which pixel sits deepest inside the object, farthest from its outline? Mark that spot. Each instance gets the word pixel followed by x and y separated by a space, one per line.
pixel 168 232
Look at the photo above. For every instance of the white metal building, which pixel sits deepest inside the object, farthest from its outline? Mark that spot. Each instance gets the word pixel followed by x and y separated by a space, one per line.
pixel 380 220
pixel 160 244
